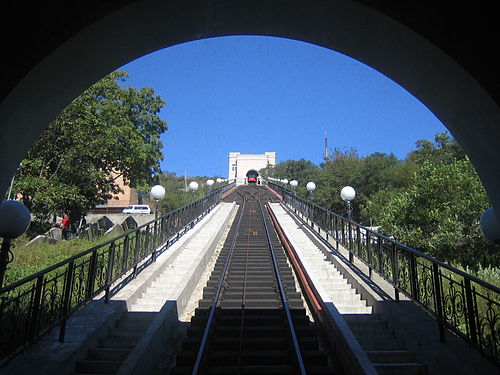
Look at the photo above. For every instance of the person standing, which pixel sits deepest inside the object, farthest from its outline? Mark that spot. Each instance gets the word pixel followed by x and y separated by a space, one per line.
pixel 65 226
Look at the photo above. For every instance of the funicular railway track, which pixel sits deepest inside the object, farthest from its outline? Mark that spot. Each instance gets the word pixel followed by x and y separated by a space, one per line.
pixel 252 319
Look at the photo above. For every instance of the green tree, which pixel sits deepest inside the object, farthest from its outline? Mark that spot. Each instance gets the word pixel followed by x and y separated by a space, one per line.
pixel 440 214
pixel 301 170
pixel 444 149
pixel 343 169
pixel 108 131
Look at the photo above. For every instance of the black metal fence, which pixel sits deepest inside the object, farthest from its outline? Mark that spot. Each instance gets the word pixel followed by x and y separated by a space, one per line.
pixel 462 303
pixel 34 305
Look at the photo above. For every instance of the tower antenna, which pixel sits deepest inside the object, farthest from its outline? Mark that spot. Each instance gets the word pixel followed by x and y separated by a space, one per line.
pixel 326 154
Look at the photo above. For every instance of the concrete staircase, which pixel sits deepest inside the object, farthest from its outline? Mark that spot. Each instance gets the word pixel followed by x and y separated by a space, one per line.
pixel 384 349
pixel 113 349
pixel 164 285
pixel 321 271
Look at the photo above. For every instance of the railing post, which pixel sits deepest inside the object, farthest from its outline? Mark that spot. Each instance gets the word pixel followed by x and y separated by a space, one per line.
pixel 369 253
pixel 395 270
pixel 136 251
pixel 66 306
pixel 155 241
pixel 109 273
pixel 92 274
pixel 379 255
pixel 470 312
pixel 147 243
pixel 438 301
pixel 125 253
pixel 351 256
pixel 336 225
pixel 34 317
pixel 413 277
pixel 358 241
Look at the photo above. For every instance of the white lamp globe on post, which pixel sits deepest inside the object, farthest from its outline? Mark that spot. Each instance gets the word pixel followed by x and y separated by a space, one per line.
pixel 285 181
pixel 157 192
pixel 311 186
pixel 15 219
pixel 347 194
pixel 293 184
pixel 209 184
pixel 193 186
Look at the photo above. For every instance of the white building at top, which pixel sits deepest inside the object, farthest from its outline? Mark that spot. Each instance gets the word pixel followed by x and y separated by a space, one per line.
pixel 241 164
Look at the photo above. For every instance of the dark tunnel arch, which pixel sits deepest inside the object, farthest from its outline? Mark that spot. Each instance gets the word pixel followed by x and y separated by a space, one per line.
pixel 348 27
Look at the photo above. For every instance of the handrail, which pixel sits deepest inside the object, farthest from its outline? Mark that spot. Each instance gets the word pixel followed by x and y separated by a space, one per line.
pixel 465 305
pixel 32 306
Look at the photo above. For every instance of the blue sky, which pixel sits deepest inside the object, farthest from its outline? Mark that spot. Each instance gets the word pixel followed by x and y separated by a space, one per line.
pixel 255 94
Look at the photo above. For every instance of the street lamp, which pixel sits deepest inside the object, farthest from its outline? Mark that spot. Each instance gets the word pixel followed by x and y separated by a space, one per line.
pixel 347 194
pixel 157 192
pixel 293 184
pixel 311 186
pixel 14 221
pixel 209 184
pixel 285 181
pixel 193 185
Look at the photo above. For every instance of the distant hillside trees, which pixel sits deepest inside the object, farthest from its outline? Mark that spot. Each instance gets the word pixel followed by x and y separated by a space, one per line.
pixel 431 201
pixel 108 128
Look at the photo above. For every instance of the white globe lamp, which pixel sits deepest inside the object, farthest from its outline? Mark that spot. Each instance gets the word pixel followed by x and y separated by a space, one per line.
pixel 347 193
pixel 193 185
pixel 15 219
pixel 311 186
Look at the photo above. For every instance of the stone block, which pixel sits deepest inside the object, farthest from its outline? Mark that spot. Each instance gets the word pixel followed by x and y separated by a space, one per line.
pixel 115 230
pixel 55 233
pixel 41 239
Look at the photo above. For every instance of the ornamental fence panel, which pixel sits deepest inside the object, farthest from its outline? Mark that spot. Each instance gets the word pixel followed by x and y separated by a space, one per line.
pixel 461 303
pixel 32 306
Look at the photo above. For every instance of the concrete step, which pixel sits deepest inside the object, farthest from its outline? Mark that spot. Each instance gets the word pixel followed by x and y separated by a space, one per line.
pixel 108 354
pixel 117 343
pixel 354 309
pixel 97 367
pixel 391 356
pixel 369 344
pixel 401 369
pixel 123 333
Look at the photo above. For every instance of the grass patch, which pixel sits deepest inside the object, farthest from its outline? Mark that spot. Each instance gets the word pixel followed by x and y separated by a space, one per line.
pixel 32 259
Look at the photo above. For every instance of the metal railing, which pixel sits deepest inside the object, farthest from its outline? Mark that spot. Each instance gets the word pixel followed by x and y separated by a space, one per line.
pixel 461 303
pixel 32 306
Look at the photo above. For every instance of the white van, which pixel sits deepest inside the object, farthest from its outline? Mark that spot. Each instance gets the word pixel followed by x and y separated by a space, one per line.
pixel 137 209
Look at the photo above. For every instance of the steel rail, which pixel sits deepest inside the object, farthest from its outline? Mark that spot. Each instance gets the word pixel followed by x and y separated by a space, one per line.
pixel 213 307
pixel 284 300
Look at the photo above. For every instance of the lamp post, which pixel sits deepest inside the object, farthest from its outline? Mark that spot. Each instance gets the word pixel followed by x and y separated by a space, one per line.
pixel 294 184
pixel 285 181
pixel 14 221
pixel 193 186
pixel 209 184
pixel 157 192
pixel 347 194
pixel 311 186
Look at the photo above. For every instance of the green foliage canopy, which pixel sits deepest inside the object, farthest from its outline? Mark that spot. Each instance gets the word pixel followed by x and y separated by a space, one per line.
pixel 439 214
pixel 107 132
